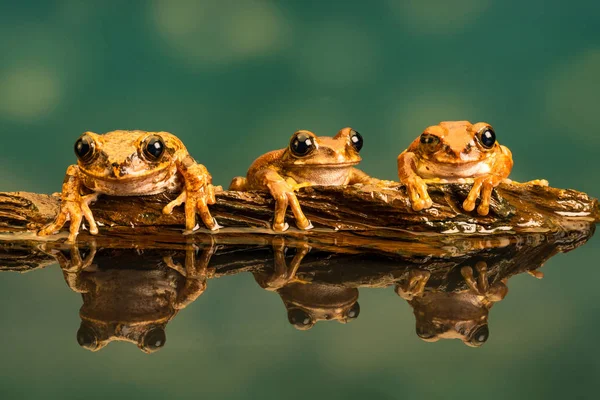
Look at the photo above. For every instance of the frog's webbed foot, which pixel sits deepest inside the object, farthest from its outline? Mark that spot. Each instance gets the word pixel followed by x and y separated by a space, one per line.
pixel 481 286
pixel 283 193
pixel 417 192
pixel 197 195
pixel 283 273
pixel 73 207
pixel 483 186
pixel 414 286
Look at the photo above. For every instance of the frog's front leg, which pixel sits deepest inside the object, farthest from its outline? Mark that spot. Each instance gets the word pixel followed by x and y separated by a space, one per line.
pixel 494 293
pixel 282 191
pixel 73 206
pixel 283 274
pixel 197 273
pixel 416 187
pixel 484 185
pixel 414 286
pixel 197 194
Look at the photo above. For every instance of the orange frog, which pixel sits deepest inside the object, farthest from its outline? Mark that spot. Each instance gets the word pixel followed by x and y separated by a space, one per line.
pixel 132 163
pixel 308 160
pixel 455 151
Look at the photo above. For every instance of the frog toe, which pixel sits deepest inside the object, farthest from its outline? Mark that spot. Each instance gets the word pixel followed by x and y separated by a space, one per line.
pixel 281 227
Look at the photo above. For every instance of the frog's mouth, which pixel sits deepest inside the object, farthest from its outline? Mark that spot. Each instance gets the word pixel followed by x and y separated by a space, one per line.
pixel 119 174
pixel 319 165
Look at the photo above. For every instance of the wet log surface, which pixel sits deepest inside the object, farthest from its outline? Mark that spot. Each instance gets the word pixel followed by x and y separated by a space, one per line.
pixel 343 216
pixel 348 220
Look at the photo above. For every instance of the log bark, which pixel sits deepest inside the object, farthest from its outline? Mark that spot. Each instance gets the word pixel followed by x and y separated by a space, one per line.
pixel 353 216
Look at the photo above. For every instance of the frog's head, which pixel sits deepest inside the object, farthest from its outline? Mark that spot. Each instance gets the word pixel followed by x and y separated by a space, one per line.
pixel 306 148
pixel 457 142
pixel 125 155
pixel 309 303
pixel 94 336
pixel 451 315
pixel 472 333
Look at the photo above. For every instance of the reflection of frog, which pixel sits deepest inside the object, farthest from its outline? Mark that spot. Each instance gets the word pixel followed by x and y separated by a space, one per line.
pixel 132 163
pixel 307 302
pixel 453 315
pixel 455 151
pixel 308 160
pixel 130 302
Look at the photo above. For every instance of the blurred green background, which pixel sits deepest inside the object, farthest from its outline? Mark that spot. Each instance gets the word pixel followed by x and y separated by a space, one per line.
pixel 234 79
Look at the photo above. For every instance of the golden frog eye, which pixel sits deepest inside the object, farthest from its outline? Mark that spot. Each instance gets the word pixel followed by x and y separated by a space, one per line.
pixel 429 142
pixel 302 144
pixel 154 147
pixel 85 148
pixel 487 137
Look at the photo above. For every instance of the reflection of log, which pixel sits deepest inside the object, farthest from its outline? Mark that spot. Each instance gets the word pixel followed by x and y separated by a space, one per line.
pixel 365 212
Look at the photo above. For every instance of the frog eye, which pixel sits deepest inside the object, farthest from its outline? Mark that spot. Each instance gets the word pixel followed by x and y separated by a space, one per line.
pixel 356 139
pixel 154 340
pixel 302 144
pixel 480 336
pixel 300 319
pixel 85 148
pixel 487 137
pixel 353 312
pixel 87 338
pixel 154 147
pixel 426 332
pixel 429 142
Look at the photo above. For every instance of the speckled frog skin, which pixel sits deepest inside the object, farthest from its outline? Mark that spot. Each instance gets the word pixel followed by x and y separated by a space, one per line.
pixel 132 163
pixel 455 151
pixel 308 160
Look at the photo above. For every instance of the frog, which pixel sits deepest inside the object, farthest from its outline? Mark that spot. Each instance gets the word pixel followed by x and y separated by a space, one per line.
pixel 455 152
pixel 459 314
pixel 131 294
pixel 308 160
pixel 132 163
pixel 306 302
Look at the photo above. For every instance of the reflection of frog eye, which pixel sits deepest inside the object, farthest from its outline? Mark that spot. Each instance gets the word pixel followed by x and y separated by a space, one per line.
pixel 426 332
pixel 85 148
pixel 429 142
pixel 300 319
pixel 487 137
pixel 154 340
pixel 87 338
pixel 353 312
pixel 356 139
pixel 302 144
pixel 154 147
pixel 480 336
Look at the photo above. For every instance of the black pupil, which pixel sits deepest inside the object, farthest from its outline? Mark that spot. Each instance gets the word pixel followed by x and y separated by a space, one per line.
pixel 429 139
pixel 85 337
pixel 83 148
pixel 481 335
pixel 357 140
pixel 354 311
pixel 299 317
pixel 155 147
pixel 302 144
pixel 156 339
pixel 488 138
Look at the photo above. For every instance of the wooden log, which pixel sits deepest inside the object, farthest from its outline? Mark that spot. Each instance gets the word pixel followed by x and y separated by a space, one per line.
pixel 352 216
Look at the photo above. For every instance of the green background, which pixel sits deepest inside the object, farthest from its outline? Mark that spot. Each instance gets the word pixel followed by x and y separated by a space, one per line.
pixel 234 79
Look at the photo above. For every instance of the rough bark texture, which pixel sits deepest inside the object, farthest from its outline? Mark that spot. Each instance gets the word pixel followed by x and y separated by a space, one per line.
pixel 348 220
